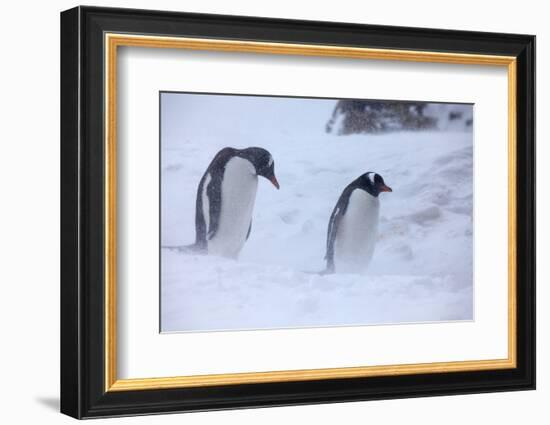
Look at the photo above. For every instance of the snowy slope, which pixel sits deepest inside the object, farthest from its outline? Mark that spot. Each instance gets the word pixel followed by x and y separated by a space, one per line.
pixel 422 266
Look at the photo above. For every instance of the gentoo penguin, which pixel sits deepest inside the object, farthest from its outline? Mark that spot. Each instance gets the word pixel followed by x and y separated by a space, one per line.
pixel 353 225
pixel 225 199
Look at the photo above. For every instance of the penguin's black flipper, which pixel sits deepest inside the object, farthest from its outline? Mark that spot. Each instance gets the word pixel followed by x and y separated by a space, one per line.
pixel 214 173
pixel 200 223
pixel 249 230
pixel 214 193
pixel 333 224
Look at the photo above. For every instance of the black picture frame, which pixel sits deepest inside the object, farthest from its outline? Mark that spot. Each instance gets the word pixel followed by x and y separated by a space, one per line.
pixel 83 392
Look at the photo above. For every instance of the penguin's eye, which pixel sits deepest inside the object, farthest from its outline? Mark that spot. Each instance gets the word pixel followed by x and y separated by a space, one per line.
pixel 270 162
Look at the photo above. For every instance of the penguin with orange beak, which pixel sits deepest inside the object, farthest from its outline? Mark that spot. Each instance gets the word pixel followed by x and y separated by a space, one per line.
pixel 353 225
pixel 225 199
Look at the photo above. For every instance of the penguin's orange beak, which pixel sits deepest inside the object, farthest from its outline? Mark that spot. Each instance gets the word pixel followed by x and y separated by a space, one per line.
pixel 273 180
pixel 385 188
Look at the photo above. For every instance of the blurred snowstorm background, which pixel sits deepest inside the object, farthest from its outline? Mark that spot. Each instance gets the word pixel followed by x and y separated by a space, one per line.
pixel 422 269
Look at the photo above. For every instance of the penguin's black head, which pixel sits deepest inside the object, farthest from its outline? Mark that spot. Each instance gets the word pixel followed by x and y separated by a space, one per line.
pixel 373 183
pixel 263 163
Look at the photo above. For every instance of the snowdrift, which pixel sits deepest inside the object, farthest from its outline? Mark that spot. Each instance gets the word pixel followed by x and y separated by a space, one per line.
pixel 422 268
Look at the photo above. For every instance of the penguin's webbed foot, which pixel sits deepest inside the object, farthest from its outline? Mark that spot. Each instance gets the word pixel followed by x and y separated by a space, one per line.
pixel 186 249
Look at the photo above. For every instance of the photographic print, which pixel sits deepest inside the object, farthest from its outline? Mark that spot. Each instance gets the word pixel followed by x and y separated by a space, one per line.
pixel 289 212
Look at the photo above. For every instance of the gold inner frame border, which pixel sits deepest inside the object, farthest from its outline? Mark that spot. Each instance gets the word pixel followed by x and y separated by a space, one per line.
pixel 113 40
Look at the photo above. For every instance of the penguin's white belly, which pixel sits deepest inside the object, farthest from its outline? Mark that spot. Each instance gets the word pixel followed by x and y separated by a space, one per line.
pixel 357 233
pixel 238 194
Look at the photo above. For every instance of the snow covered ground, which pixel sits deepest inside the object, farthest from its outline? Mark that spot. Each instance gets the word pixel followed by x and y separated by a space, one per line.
pixel 422 266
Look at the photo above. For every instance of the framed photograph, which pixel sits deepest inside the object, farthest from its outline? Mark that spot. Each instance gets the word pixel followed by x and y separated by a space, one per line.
pixel 261 212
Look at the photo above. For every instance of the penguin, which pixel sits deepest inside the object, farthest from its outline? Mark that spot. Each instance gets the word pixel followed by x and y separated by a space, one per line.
pixel 225 199
pixel 353 225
